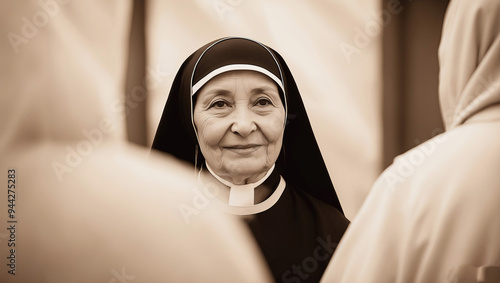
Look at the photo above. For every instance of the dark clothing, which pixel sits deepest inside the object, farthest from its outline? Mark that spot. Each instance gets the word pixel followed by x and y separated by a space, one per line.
pixel 297 235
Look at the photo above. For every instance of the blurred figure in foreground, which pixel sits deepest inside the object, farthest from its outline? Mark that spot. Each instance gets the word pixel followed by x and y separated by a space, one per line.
pixel 434 214
pixel 78 204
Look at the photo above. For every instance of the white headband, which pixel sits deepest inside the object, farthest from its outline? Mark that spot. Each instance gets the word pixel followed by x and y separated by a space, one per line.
pixel 236 67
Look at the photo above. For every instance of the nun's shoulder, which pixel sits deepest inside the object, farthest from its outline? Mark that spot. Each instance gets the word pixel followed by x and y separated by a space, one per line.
pixel 467 153
pixel 474 162
pixel 459 169
pixel 325 213
pixel 470 155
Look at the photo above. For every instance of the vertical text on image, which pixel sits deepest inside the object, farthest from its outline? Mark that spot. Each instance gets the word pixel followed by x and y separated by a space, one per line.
pixel 12 221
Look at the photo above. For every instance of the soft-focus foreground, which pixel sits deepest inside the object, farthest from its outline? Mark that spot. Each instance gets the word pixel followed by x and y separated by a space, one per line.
pixel 78 204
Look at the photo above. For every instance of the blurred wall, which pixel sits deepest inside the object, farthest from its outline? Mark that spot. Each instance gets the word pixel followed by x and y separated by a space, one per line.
pixel 411 111
pixel 135 87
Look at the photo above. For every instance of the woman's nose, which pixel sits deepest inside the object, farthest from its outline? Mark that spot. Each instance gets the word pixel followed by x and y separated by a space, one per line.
pixel 243 123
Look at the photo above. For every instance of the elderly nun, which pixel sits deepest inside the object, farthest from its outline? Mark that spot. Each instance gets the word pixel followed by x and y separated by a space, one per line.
pixel 236 115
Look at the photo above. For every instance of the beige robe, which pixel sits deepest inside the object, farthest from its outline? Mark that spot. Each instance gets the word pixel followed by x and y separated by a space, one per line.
pixel 87 207
pixel 434 214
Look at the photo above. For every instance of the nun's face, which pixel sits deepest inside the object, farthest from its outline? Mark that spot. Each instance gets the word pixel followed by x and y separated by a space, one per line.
pixel 239 118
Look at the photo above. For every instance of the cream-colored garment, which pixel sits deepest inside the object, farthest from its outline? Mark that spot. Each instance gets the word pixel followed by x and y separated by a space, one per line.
pixel 89 207
pixel 469 60
pixel 434 214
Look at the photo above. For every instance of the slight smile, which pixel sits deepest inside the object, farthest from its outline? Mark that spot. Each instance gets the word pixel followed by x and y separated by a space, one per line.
pixel 243 149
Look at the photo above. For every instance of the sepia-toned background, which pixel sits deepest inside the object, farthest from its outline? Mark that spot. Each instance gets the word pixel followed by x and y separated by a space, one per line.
pixel 367 69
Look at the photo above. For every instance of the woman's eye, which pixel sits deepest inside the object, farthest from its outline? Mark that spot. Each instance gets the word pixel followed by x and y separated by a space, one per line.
pixel 219 104
pixel 263 102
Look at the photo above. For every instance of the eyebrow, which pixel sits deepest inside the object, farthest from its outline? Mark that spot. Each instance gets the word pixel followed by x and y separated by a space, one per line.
pixel 264 89
pixel 213 93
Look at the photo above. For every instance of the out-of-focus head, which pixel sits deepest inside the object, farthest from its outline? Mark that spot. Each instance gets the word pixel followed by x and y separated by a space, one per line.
pixel 84 198
pixel 51 94
pixel 469 56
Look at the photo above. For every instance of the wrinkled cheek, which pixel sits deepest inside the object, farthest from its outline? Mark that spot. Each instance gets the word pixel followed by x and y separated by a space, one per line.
pixel 209 149
pixel 273 132
pixel 213 134
pixel 272 129
pixel 274 148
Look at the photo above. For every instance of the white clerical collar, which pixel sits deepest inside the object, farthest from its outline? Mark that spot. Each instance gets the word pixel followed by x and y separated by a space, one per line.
pixel 251 208
pixel 241 195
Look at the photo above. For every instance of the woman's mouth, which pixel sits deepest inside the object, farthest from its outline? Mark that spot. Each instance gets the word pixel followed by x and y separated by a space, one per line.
pixel 243 148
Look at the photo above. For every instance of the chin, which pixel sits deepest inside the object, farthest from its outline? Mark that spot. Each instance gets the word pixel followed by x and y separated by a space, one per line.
pixel 247 168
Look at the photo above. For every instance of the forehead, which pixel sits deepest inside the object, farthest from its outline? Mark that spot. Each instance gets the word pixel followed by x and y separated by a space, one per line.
pixel 249 79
